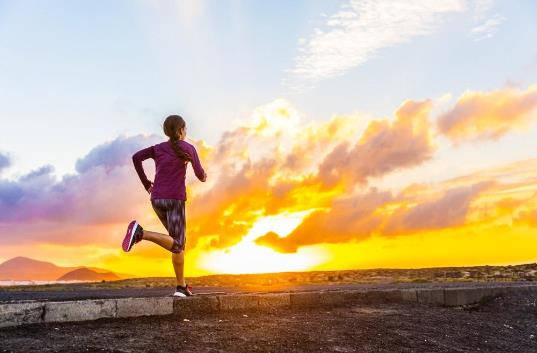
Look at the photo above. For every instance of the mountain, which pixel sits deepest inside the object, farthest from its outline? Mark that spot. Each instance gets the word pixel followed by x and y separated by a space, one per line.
pixel 23 269
pixel 87 274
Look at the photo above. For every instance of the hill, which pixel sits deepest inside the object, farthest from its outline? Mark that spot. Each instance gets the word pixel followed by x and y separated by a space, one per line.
pixel 22 268
pixel 86 274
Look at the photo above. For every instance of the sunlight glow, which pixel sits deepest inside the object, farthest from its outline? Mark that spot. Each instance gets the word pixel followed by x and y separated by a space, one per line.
pixel 248 257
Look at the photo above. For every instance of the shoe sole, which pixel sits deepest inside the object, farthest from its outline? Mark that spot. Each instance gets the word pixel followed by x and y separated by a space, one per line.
pixel 129 236
pixel 179 294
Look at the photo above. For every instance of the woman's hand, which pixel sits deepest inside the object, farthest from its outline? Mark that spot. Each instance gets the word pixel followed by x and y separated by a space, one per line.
pixel 204 177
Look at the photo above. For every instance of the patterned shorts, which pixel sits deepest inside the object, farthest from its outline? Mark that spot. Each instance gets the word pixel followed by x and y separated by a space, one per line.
pixel 171 213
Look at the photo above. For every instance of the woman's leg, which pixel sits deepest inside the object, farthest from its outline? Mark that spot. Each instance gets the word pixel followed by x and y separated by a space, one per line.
pixel 163 240
pixel 172 215
pixel 178 260
pixel 161 209
pixel 177 225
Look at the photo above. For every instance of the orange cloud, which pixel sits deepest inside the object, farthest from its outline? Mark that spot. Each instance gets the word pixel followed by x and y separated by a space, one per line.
pixel 527 217
pixel 253 175
pixel 270 165
pixel 349 219
pixel 376 213
pixel 447 211
pixel 384 147
pixel 257 177
pixel 491 197
pixel 489 115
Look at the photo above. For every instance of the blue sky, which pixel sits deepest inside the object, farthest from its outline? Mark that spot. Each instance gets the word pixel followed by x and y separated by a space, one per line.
pixel 76 74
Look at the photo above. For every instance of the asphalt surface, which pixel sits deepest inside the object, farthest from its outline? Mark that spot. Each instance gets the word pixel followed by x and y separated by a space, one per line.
pixel 79 292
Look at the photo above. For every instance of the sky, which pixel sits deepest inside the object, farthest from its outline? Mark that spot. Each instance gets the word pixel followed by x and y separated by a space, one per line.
pixel 335 134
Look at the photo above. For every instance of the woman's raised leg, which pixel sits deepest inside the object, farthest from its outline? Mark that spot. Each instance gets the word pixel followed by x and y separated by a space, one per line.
pixel 163 240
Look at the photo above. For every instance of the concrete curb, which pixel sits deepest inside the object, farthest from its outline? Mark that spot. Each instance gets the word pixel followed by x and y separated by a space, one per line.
pixel 22 313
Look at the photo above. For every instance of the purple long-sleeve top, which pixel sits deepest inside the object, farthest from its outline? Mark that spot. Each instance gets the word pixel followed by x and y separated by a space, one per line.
pixel 170 169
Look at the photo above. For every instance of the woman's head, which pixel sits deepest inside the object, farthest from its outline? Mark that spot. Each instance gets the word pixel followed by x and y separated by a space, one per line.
pixel 175 128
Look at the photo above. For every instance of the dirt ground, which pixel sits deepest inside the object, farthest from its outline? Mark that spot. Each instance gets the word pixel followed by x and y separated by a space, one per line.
pixel 505 324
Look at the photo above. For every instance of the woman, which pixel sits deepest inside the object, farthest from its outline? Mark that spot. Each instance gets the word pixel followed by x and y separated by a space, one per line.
pixel 168 195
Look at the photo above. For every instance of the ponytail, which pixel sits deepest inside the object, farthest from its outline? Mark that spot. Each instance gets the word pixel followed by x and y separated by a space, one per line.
pixel 171 126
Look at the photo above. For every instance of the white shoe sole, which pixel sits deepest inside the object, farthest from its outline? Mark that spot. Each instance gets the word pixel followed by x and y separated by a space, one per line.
pixel 128 240
pixel 132 235
pixel 179 294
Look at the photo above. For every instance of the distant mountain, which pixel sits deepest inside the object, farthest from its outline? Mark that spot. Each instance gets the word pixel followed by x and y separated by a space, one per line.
pixel 86 274
pixel 23 269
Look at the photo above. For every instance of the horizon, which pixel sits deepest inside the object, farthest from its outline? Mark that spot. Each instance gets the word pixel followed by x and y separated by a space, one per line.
pixel 77 267
pixel 127 276
pixel 336 135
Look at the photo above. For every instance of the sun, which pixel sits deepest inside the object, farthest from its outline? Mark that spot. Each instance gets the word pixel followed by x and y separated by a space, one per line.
pixel 248 257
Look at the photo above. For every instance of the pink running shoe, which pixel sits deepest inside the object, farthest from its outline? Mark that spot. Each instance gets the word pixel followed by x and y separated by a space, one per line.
pixel 133 235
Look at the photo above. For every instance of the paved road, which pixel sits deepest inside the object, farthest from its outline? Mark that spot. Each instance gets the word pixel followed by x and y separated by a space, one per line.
pixel 79 292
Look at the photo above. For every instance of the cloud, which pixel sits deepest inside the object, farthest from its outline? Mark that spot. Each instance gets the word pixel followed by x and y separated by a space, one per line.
pixel 377 213
pixel 112 154
pixel 488 28
pixel 262 167
pixel 105 191
pixel 272 163
pixel 489 115
pixel 525 211
pixel 384 147
pixel 449 210
pixel 97 194
pixel 527 217
pixel 501 196
pixel 348 219
pixel 355 33
pixel 5 162
pixel 320 164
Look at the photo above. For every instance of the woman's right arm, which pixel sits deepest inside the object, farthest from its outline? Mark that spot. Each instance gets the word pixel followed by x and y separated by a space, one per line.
pixel 137 160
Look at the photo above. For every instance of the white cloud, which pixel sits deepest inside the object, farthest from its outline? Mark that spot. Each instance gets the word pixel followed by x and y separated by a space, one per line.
pixel 487 28
pixel 359 29
pixel 355 33
pixel 485 25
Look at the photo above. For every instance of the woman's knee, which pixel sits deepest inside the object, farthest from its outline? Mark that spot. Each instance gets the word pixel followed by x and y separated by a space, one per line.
pixel 177 249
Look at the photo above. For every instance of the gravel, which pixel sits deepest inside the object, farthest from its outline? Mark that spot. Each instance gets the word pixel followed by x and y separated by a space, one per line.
pixel 504 324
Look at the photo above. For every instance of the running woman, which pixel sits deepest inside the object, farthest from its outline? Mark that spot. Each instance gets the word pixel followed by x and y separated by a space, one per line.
pixel 168 195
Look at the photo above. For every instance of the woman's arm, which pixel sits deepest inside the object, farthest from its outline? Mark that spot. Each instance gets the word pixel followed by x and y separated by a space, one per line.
pixel 196 165
pixel 137 160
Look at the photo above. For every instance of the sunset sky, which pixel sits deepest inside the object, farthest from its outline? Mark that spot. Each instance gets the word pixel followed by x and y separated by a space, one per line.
pixel 335 134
